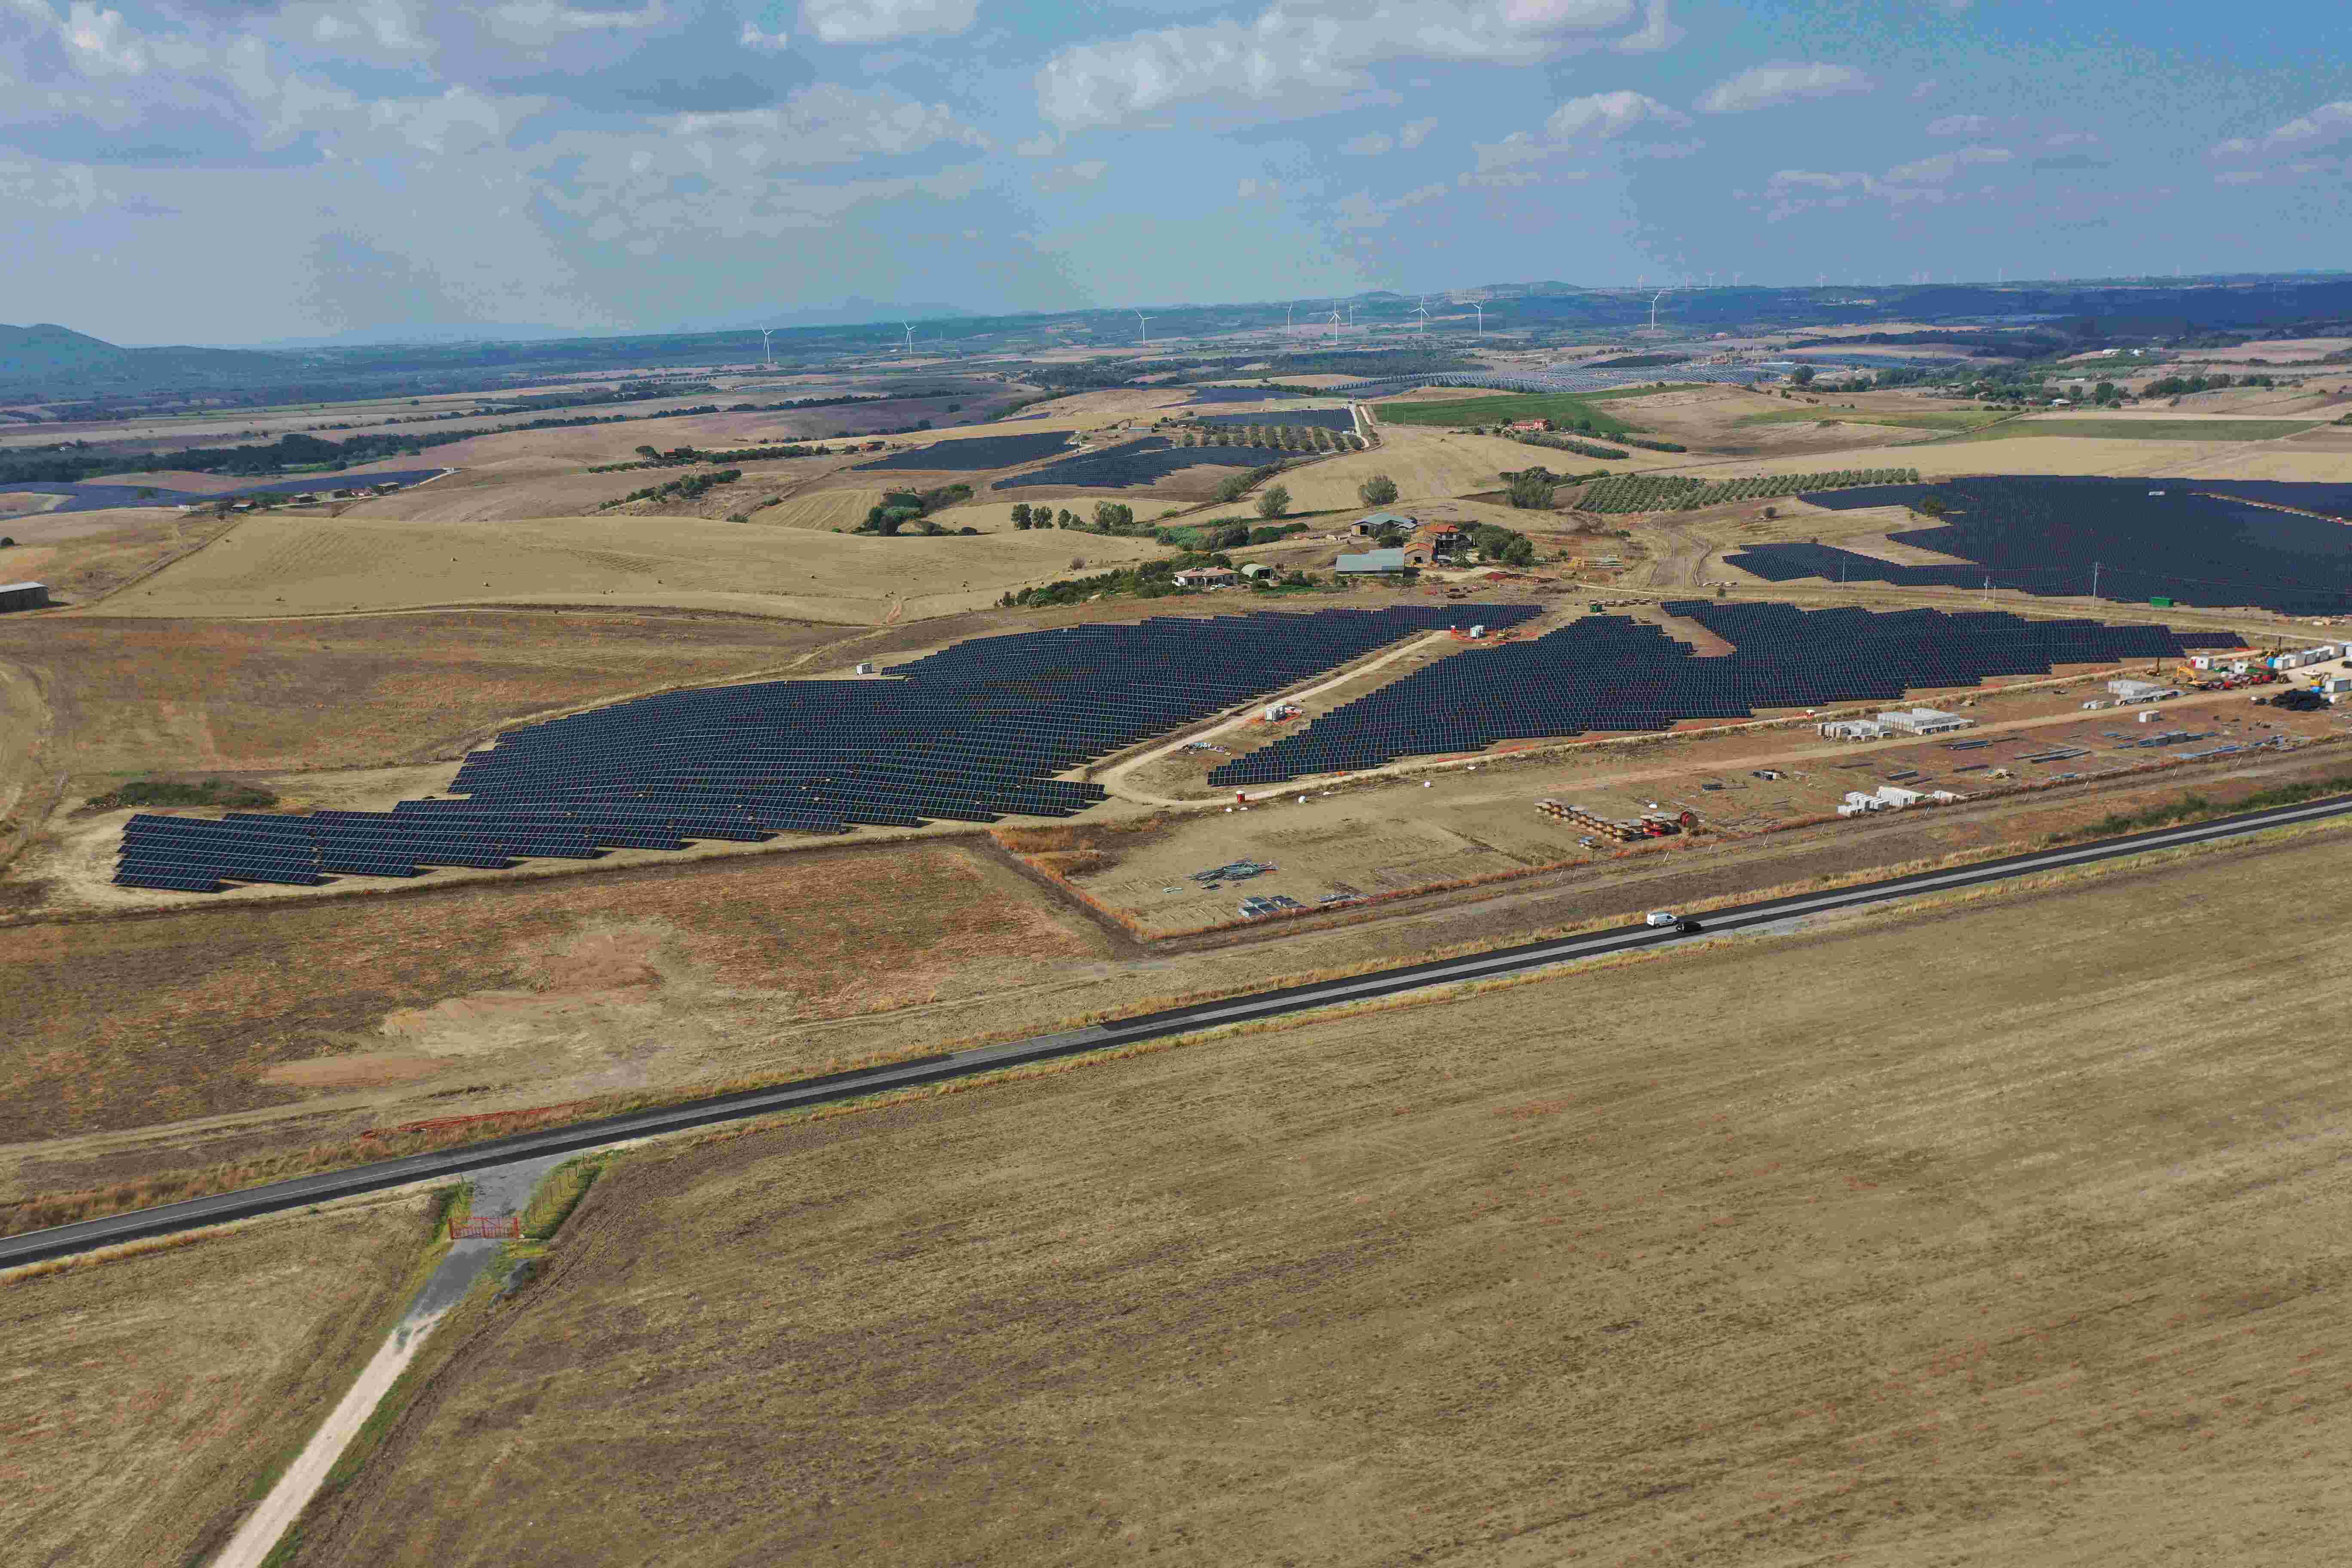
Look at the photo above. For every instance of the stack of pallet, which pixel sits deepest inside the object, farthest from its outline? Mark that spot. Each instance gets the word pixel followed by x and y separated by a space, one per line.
pixel 1584 821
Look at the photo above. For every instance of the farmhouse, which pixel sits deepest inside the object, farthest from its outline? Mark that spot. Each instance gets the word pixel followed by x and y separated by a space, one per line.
pixel 1205 577
pixel 1444 541
pixel 1381 522
pixel 1533 426
pixel 1374 563
pixel 24 596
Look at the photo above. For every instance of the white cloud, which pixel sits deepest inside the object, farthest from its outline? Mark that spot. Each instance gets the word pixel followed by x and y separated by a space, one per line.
pixel 2070 138
pixel 1604 115
pixel 821 124
pixel 2328 123
pixel 1043 145
pixel 751 37
pixel 1935 171
pixel 1658 32
pixel 1770 86
pixel 1371 145
pixel 1415 132
pixel 1575 126
pixel 1794 191
pixel 1927 89
pixel 1251 190
pixel 881 21
pixel 1959 125
pixel 1309 56
pixel 1512 179
pixel 535 24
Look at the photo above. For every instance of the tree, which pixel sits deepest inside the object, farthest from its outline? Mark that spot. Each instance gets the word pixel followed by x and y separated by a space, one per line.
pixel 1531 490
pixel 1235 536
pixel 1274 504
pixel 1378 490
pixel 1110 516
pixel 1065 519
pixel 1801 376
pixel 650 454
pixel 1021 514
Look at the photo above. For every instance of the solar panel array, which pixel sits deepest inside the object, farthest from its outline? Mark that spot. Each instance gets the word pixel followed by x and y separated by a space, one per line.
pixel 1613 673
pixel 2197 541
pixel 971 734
pixel 1325 418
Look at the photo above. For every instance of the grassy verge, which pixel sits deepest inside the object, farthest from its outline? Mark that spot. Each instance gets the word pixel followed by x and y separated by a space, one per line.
pixel 2195 808
pixel 560 1194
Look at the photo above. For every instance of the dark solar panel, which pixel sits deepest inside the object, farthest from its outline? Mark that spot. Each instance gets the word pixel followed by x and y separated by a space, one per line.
pixel 1610 673
pixel 974 733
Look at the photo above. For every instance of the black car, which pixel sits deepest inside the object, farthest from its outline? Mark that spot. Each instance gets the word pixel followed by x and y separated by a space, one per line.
pixel 1687 925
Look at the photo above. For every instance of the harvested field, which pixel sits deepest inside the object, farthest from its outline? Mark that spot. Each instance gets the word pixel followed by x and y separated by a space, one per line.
pixel 541 993
pixel 1427 465
pixel 135 694
pixel 823 509
pixel 154 1394
pixel 2127 428
pixel 2038 1263
pixel 293 566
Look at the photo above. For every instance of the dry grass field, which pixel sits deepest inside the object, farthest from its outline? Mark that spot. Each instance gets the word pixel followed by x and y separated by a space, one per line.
pixel 824 510
pixel 501 994
pixel 2009 1232
pixel 150 1398
pixel 1427 463
pixel 134 695
pixel 297 566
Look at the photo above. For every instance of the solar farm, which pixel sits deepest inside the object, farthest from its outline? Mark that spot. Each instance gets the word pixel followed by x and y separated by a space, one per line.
pixel 976 455
pixel 2267 544
pixel 975 733
pixel 1143 462
pixel 1613 674
pixel 1323 418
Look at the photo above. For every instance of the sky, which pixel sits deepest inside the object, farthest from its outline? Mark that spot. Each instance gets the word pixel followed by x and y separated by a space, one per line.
pixel 243 171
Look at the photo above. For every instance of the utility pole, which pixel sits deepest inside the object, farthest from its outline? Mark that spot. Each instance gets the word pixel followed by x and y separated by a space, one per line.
pixel 2094 579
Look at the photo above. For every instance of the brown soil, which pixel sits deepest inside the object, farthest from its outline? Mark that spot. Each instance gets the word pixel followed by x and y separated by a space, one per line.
pixel 150 1398
pixel 1989 1235
pixel 545 992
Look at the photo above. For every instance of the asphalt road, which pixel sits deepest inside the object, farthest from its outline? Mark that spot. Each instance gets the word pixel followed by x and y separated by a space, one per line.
pixel 278 1196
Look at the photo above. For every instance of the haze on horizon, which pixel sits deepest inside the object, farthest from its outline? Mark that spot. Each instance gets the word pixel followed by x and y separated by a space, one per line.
pixel 184 171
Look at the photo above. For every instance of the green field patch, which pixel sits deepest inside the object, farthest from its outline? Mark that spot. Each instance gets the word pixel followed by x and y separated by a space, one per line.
pixel 1502 409
pixel 2152 429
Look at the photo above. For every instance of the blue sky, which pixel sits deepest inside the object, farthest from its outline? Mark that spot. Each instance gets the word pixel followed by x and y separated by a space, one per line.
pixel 224 170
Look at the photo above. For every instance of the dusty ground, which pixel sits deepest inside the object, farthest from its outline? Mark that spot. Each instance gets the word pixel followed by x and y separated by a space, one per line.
pixel 495 994
pixel 2007 1234
pixel 1393 835
pixel 150 1398
pixel 137 694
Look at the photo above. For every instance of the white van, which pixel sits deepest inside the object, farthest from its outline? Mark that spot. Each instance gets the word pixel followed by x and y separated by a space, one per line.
pixel 1661 918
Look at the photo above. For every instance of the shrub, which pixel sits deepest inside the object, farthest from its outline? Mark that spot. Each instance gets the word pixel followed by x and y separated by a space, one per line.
pixel 1378 490
pixel 1274 504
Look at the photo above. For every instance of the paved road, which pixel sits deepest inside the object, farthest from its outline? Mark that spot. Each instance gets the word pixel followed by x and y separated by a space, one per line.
pixel 278 1196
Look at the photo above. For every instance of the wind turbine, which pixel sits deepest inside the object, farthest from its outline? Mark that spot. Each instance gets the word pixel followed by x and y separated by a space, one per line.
pixel 765 351
pixel 910 337
pixel 1146 325
pixel 1287 310
pixel 1335 327
pixel 1653 307
pixel 1482 321
pixel 1422 310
